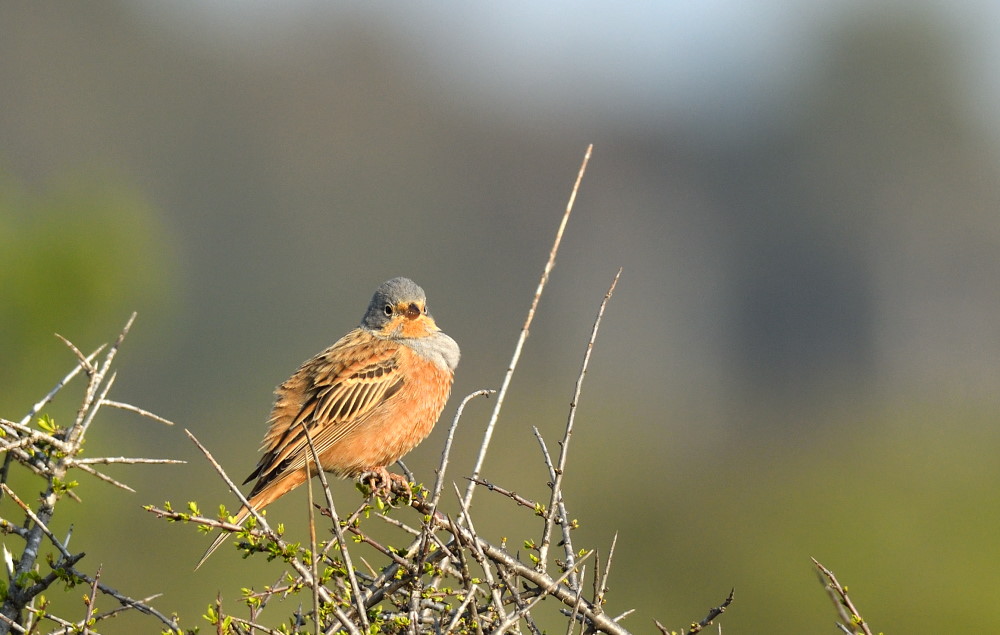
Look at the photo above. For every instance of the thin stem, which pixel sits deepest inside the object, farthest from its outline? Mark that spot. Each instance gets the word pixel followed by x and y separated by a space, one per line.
pixel 557 508
pixel 136 410
pixel 549 265
pixel 359 600
pixel 845 607
pixel 86 363
pixel 446 452
pixel 313 560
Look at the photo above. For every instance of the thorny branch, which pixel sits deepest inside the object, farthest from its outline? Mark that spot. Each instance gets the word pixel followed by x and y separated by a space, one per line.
pixel 51 453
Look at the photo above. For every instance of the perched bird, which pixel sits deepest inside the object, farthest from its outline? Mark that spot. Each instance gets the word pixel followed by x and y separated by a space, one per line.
pixel 365 401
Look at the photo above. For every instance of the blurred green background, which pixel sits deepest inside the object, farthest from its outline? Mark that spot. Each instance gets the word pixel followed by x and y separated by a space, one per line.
pixel 802 358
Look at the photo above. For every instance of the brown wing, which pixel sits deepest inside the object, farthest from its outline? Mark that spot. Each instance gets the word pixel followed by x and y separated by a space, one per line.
pixel 331 395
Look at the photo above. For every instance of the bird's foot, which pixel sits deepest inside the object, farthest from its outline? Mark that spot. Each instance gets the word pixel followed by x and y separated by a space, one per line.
pixel 387 485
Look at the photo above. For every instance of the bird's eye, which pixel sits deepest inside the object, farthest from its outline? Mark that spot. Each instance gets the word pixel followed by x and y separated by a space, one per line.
pixel 388 310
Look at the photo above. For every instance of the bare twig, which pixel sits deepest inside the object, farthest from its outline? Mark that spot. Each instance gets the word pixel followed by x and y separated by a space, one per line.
pixel 68 627
pixel 30 513
pixel 77 433
pixel 514 496
pixel 136 410
pixel 488 435
pixel 313 556
pixel 699 626
pixel 85 362
pixel 261 522
pixel 446 452
pixel 548 513
pixel 574 615
pixel 601 589
pixel 29 437
pixel 9 623
pixel 358 599
pixel 108 460
pixel 104 477
pixel 138 605
pixel 214 523
pixel 253 626
pixel 470 591
pixel 551 587
pixel 90 602
pixel 96 375
pixel 845 607
pixel 557 509
pixel 501 558
pixel 8 527
pixel 477 553
pixel 113 612
pixel 623 615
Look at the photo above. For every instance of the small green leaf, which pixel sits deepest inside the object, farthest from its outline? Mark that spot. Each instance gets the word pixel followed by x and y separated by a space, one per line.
pixel 47 423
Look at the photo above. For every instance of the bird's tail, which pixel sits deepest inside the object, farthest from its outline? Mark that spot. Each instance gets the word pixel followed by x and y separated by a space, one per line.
pixel 240 517
pixel 259 499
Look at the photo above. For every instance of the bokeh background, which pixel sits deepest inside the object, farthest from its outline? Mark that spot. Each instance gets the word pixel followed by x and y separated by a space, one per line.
pixel 802 358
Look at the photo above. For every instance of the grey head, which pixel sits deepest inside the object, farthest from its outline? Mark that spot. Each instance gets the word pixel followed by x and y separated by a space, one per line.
pixel 390 295
pixel 398 311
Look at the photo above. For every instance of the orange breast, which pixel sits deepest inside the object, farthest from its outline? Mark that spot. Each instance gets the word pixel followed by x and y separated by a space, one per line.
pixel 396 426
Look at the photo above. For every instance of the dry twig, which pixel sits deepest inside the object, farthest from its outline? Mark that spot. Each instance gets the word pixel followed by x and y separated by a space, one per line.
pixel 549 265
pixel 851 620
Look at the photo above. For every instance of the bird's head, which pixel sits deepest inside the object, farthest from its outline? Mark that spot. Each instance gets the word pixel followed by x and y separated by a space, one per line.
pixel 399 310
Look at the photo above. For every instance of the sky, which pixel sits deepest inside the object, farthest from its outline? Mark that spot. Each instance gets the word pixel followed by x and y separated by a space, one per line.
pixel 735 55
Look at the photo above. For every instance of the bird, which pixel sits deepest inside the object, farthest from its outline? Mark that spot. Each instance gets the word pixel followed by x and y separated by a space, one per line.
pixel 365 401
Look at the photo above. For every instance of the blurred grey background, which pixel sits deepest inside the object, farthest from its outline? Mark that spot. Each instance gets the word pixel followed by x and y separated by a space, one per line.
pixel 802 358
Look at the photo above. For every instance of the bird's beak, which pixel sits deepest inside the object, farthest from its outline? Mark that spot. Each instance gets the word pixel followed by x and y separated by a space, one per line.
pixel 413 322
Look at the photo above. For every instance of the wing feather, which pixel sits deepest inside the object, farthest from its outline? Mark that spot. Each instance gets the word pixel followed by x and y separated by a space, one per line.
pixel 331 395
